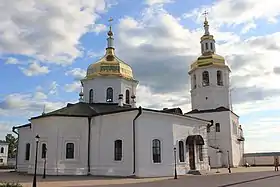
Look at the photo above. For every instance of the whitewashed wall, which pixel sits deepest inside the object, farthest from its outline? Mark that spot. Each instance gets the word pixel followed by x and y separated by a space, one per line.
pixel 211 92
pixel 223 138
pixel 104 131
pixel 100 85
pixel 25 136
pixel 169 129
pixel 55 132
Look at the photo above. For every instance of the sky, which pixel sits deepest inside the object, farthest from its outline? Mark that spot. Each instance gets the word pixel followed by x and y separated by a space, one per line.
pixel 46 47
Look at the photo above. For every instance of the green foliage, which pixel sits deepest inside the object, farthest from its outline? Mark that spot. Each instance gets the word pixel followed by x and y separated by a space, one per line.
pixel 8 184
pixel 12 141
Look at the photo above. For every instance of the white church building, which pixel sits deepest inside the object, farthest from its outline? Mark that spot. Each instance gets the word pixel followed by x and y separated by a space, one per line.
pixel 106 134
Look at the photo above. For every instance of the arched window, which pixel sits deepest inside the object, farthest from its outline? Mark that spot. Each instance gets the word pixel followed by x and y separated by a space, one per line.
pixel 27 151
pixel 109 95
pixel 211 46
pixel 118 150
pixel 2 150
pixel 91 96
pixel 181 151
pixel 205 78
pixel 156 151
pixel 127 97
pixel 206 46
pixel 218 128
pixel 219 78
pixel 194 81
pixel 44 150
pixel 70 151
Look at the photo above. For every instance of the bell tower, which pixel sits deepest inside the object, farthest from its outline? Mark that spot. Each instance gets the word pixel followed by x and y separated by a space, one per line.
pixel 209 76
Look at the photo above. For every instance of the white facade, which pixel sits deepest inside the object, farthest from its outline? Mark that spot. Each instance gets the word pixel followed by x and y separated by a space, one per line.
pixel 211 100
pixel 213 95
pixel 228 138
pixel 99 85
pixel 55 132
pixel 3 153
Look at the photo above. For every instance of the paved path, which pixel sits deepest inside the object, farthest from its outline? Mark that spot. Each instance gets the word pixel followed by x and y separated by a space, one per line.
pixel 247 177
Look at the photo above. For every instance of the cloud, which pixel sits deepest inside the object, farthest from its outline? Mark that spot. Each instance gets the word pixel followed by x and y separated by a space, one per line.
pixel 238 12
pixel 27 104
pixel 98 28
pixel 73 87
pixel 77 73
pixel 12 60
pixel 40 96
pixel 38 29
pixel 153 2
pixel 34 69
pixel 255 137
pixel 53 88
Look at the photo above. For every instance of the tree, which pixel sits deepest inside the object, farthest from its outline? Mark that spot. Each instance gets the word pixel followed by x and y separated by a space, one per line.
pixel 12 141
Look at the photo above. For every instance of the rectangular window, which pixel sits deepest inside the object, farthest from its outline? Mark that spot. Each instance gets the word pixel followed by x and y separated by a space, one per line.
pixel 211 46
pixel 1 160
pixel 27 151
pixel 70 151
pixel 218 128
pixel 206 46
pixel 44 150
pixel 181 151
pixel 156 151
pixel 2 150
pixel 200 152
pixel 118 150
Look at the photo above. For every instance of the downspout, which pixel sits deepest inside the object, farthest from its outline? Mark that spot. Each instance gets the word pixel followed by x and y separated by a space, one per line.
pixel 89 139
pixel 14 131
pixel 134 138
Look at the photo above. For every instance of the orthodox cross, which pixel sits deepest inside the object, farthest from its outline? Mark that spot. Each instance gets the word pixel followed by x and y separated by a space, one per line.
pixel 205 13
pixel 110 22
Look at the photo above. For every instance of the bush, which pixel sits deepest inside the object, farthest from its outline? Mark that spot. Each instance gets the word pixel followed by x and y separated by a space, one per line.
pixel 7 184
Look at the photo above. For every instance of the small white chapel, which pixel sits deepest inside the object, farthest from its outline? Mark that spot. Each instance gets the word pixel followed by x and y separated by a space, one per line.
pixel 107 134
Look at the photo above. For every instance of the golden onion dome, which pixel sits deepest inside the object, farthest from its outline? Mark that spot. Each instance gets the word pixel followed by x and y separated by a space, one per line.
pixel 208 60
pixel 109 65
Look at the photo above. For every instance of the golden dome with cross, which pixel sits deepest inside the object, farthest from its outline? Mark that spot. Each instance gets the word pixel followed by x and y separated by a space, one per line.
pixel 110 65
pixel 208 56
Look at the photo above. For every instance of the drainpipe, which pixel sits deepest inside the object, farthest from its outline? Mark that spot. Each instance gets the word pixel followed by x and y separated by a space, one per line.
pixel 134 138
pixel 89 139
pixel 14 131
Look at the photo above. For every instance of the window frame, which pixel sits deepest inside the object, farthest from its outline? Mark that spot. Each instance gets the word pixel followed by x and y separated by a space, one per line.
pixel 91 96
pixel 109 95
pixel 217 127
pixel 181 151
pixel 27 151
pixel 118 150
pixel 205 78
pixel 44 150
pixel 127 96
pixel 156 151
pixel 219 78
pixel 72 153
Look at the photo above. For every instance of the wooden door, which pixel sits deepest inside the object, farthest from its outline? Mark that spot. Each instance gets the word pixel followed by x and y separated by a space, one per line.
pixel 191 157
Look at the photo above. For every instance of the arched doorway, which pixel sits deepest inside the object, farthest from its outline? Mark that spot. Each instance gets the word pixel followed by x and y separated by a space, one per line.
pixel 191 141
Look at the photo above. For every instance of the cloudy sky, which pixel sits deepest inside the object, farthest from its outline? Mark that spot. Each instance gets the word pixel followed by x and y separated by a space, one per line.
pixel 46 46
